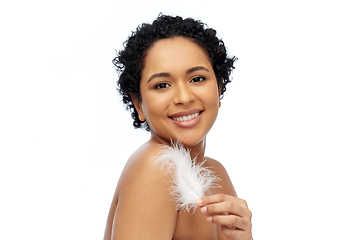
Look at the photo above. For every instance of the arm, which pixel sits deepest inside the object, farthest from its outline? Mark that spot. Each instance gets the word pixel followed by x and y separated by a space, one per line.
pixel 228 211
pixel 145 209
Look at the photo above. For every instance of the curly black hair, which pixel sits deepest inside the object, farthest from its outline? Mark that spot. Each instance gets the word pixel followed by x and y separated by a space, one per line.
pixel 130 61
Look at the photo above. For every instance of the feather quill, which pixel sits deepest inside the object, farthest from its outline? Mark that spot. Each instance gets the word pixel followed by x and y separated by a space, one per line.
pixel 190 180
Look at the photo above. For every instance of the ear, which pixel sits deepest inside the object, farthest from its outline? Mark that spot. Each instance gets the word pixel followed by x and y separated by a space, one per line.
pixel 138 106
pixel 219 97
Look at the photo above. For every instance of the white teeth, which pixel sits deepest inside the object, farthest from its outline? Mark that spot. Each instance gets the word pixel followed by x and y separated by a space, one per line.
pixel 186 118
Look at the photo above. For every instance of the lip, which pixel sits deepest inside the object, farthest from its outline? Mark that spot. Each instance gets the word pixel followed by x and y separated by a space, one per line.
pixel 189 123
pixel 185 113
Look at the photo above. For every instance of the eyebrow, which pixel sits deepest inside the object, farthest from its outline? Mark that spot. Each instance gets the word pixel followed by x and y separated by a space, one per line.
pixel 158 75
pixel 194 69
pixel 166 74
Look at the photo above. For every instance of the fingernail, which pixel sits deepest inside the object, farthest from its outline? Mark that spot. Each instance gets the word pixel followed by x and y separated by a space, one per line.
pixel 203 209
pixel 209 219
pixel 199 202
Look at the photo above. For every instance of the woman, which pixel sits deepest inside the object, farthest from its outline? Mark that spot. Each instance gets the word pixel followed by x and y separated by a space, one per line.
pixel 173 74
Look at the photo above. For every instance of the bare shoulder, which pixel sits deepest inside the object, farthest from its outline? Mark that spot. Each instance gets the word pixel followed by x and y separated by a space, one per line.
pixel 220 170
pixel 142 165
pixel 144 207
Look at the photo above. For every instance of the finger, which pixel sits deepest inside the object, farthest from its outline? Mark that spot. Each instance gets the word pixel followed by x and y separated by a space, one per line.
pixel 231 221
pixel 235 233
pixel 219 198
pixel 220 204
pixel 212 199
pixel 224 208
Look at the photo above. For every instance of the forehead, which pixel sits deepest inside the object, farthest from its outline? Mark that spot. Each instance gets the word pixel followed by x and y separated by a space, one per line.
pixel 175 54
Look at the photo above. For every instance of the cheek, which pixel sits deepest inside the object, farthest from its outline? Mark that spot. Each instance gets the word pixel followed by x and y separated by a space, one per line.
pixel 153 105
pixel 211 96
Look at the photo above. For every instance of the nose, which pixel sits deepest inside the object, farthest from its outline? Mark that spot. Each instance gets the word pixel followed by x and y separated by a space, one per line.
pixel 183 94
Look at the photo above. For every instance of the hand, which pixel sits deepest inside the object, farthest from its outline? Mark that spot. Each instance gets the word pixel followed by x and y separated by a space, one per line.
pixel 230 213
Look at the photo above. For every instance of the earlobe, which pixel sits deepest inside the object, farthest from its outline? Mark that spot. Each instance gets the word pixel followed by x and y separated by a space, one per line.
pixel 219 99
pixel 137 104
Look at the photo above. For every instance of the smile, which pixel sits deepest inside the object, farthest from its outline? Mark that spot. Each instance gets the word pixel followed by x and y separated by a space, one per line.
pixel 186 118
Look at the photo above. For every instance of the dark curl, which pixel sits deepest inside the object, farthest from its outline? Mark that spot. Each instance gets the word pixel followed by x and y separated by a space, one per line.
pixel 130 61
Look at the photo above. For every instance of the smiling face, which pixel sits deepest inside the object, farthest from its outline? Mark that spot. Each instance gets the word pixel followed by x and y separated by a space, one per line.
pixel 179 93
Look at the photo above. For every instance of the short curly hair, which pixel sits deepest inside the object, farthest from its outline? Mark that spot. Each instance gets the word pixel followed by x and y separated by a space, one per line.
pixel 130 61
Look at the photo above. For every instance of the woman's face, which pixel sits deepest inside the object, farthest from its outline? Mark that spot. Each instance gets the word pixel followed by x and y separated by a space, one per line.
pixel 180 95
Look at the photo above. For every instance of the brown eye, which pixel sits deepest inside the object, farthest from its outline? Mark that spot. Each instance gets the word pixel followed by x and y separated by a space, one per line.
pixel 197 79
pixel 162 85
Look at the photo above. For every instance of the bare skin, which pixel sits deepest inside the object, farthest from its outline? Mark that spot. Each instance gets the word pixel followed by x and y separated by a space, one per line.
pixel 177 81
pixel 149 209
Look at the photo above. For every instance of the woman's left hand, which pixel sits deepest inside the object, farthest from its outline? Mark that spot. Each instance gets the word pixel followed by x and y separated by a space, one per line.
pixel 230 213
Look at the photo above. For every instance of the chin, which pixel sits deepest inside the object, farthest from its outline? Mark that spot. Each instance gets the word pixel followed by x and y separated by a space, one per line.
pixel 191 142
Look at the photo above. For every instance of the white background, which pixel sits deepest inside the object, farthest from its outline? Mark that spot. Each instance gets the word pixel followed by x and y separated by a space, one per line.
pixel 288 129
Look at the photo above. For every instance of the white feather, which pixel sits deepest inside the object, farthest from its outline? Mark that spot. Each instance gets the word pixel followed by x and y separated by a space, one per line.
pixel 190 180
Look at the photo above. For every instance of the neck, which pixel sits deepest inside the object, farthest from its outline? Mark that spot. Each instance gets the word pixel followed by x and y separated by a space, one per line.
pixel 196 151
